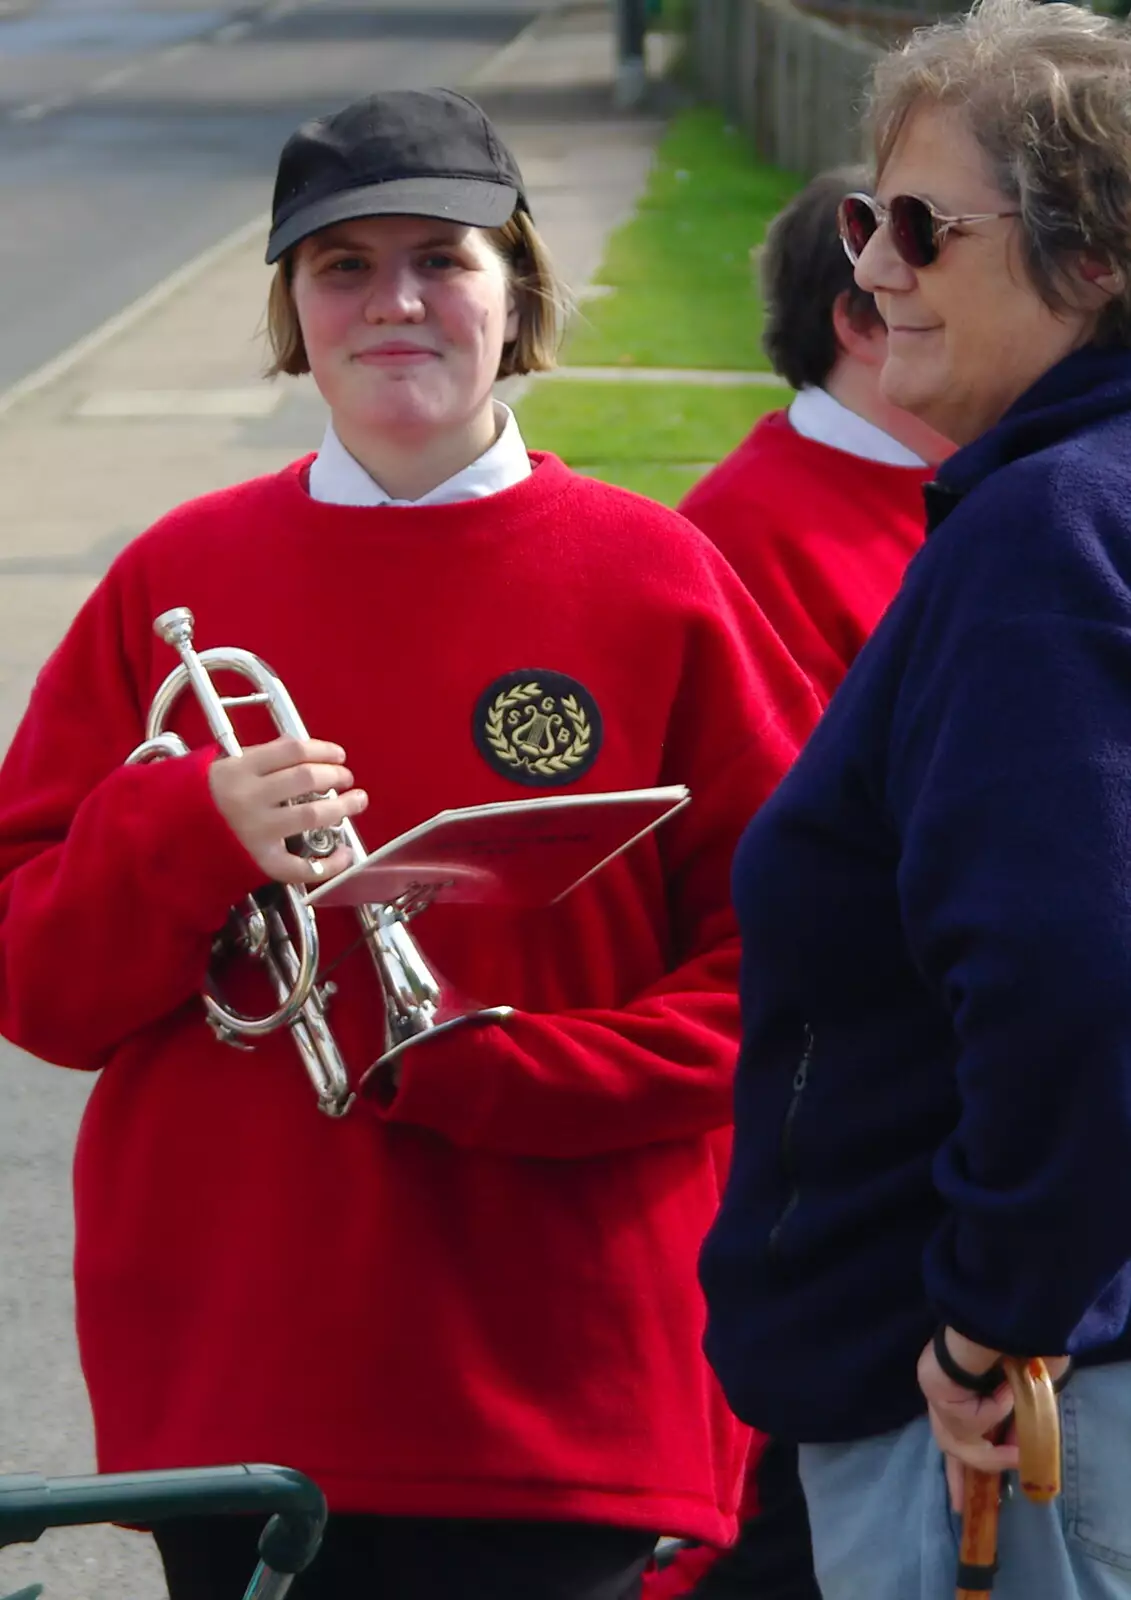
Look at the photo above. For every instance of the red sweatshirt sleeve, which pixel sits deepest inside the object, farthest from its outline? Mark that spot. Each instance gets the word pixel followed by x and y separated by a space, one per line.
pixel 588 1082
pixel 113 879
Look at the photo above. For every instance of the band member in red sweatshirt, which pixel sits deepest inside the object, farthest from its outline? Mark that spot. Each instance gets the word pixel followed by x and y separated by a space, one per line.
pixel 468 1309
pixel 819 510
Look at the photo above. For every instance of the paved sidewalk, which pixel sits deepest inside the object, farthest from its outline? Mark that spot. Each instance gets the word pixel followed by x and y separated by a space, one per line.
pixel 171 404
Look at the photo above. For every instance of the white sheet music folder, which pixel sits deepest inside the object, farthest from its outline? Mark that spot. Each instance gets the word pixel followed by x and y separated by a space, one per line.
pixel 516 852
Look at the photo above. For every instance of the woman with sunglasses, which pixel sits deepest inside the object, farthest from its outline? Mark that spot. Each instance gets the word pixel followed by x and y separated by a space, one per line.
pixel 468 1309
pixel 932 1163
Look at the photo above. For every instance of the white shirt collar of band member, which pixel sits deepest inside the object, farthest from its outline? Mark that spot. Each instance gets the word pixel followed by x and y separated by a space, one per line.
pixel 817 416
pixel 339 480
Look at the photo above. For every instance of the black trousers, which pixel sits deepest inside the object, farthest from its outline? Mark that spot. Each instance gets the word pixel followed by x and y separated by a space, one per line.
pixel 773 1559
pixel 415 1558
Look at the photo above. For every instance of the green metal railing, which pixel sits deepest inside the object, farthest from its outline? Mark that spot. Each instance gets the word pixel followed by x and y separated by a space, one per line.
pixel 30 1505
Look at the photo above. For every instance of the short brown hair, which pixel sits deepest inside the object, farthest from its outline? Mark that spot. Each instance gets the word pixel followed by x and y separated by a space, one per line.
pixel 540 296
pixel 1046 92
pixel 804 272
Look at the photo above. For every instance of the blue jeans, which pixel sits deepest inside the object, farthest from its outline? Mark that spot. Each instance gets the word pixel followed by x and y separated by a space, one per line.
pixel 882 1525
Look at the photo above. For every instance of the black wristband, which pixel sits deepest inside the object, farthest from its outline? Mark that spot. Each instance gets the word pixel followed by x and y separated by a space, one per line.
pixel 983 1383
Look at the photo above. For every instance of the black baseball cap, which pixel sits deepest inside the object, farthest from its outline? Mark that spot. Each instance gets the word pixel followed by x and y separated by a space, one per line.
pixel 407 152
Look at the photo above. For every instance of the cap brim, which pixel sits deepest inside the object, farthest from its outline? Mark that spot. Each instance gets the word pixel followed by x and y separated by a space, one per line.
pixel 471 202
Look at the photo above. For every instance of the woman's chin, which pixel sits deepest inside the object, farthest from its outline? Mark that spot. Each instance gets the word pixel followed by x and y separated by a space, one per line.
pixel 909 387
pixel 399 416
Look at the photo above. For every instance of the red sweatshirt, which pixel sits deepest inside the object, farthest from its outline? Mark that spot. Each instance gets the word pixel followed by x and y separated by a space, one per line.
pixel 479 1299
pixel 819 537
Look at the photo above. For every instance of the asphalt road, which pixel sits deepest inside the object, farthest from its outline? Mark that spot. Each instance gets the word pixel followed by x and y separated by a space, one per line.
pixel 133 135
pixel 131 138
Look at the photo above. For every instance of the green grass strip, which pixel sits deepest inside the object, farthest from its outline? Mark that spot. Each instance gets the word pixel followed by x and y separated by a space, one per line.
pixel 658 480
pixel 684 295
pixel 684 287
pixel 592 423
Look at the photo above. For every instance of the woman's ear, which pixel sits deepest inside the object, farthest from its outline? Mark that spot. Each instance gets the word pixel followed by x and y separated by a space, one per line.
pixel 1102 282
pixel 859 330
pixel 511 332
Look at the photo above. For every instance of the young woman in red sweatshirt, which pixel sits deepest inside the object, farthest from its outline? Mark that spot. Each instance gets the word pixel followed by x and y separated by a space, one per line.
pixel 468 1309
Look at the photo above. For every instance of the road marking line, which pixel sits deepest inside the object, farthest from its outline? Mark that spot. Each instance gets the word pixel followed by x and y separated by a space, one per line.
pixel 39 108
pixel 231 31
pixel 111 80
pixel 525 36
pixel 187 47
pixel 36 110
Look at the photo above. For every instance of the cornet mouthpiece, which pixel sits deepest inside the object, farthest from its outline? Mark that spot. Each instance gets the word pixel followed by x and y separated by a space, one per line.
pixel 175 626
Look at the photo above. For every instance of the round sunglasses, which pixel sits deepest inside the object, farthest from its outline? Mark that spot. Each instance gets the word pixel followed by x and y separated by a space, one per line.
pixel 918 231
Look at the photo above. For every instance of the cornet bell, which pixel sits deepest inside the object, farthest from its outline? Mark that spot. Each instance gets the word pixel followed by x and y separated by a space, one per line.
pixel 418 1004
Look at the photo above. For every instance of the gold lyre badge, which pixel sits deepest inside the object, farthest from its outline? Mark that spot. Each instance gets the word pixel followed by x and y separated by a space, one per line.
pixel 539 728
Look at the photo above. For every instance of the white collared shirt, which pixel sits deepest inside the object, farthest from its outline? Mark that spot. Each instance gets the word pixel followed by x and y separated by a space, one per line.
pixel 816 415
pixel 339 479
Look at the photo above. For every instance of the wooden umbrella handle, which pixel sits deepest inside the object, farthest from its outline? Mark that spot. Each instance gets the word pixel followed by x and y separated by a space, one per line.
pixel 1037 1420
pixel 977 1554
pixel 1037 1417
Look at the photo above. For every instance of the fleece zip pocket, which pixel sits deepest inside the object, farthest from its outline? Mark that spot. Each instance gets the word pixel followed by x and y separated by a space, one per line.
pixel 788 1135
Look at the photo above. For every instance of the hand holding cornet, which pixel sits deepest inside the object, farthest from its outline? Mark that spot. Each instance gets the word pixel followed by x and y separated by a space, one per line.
pixel 271 792
pixel 281 802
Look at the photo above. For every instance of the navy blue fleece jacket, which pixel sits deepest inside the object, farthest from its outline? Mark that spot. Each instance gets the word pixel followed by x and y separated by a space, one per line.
pixel 933 1102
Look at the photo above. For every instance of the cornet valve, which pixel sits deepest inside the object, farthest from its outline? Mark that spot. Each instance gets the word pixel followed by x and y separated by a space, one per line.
pixel 251 935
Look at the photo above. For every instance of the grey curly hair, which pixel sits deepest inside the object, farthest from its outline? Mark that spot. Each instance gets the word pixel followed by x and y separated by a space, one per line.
pixel 1046 92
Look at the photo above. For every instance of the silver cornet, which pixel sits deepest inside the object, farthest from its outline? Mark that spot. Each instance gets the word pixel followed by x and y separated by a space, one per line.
pixel 415 1003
